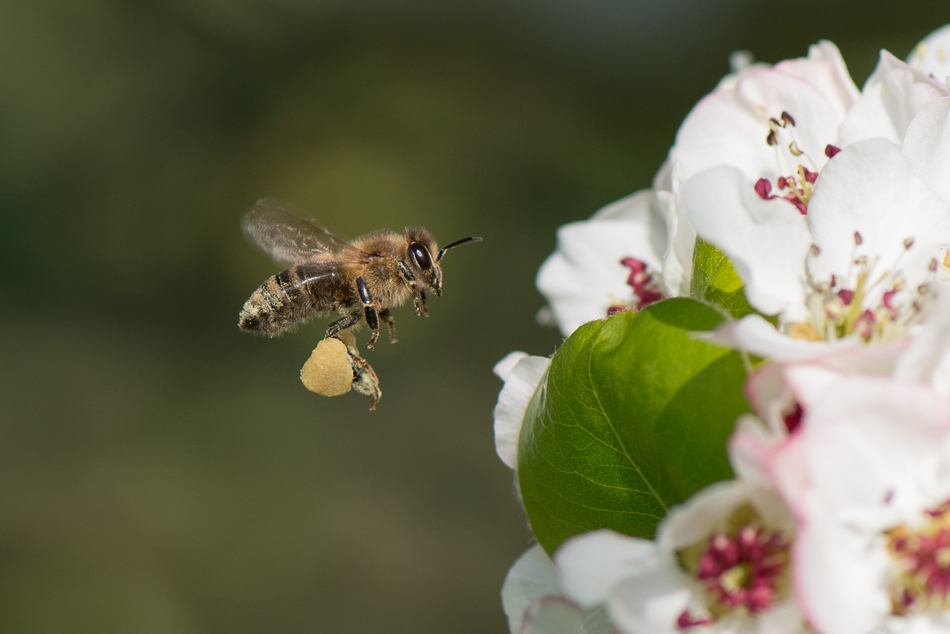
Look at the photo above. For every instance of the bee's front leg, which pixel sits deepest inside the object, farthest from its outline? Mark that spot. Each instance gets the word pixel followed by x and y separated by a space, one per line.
pixel 369 311
pixel 418 295
pixel 419 302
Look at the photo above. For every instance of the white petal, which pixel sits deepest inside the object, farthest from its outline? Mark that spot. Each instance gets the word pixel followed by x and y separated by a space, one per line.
pixel 592 564
pixel 504 367
pixel 678 258
pixel 932 55
pixel 872 189
pixel 531 578
pixel 513 400
pixel 891 97
pixel 839 576
pixel 810 382
pixel 694 520
pixel 767 240
pixel 584 277
pixel 553 615
pixel 927 359
pixel 651 602
pixel 729 126
pixel 927 145
pixel 825 70
pixel 757 336
pixel 875 447
pixel 783 618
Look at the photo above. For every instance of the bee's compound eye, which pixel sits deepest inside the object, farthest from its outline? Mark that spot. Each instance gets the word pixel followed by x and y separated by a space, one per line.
pixel 421 256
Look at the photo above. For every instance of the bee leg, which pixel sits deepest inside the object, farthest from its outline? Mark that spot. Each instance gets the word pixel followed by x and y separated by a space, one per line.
pixel 419 301
pixel 369 311
pixel 347 321
pixel 387 317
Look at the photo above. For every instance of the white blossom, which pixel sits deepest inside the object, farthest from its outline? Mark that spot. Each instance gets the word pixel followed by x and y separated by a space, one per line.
pixel 720 562
pixel 868 477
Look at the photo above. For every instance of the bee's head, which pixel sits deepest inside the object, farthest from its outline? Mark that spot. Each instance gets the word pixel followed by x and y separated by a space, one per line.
pixel 424 255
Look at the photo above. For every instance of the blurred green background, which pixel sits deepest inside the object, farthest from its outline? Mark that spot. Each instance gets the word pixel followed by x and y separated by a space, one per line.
pixel 161 471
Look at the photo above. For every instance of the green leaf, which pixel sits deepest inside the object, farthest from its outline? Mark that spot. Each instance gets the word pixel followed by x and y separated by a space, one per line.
pixel 632 417
pixel 716 282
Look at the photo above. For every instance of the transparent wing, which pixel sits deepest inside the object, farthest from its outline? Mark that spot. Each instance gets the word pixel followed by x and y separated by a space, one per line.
pixel 285 233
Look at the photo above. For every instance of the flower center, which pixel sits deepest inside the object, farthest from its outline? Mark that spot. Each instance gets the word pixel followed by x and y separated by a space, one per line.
pixel 921 557
pixel 742 569
pixel 646 290
pixel 858 307
pixel 799 183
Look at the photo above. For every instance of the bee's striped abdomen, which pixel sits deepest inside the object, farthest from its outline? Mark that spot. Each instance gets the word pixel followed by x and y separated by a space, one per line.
pixel 293 296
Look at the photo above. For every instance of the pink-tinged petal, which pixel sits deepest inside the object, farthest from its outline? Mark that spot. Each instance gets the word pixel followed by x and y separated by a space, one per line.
pixel 553 615
pixel 592 564
pixel 584 277
pixel 530 579
pixel 927 145
pixel 788 468
pixel 860 192
pixel 767 240
pixel 513 400
pixel 751 452
pixel 839 575
pixel 891 97
pixel 932 55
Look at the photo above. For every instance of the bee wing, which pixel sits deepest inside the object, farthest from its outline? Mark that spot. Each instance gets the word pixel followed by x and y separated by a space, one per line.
pixel 285 233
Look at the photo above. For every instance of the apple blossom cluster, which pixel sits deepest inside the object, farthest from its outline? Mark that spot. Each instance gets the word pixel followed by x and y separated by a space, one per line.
pixel 808 223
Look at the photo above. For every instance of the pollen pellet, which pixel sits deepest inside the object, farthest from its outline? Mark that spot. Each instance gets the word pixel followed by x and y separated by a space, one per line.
pixel 328 371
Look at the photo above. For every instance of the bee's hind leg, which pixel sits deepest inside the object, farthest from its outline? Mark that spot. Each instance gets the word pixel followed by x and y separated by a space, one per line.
pixel 387 317
pixel 369 312
pixel 344 322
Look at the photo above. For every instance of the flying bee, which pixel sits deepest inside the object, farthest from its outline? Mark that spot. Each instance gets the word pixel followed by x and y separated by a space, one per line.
pixel 361 279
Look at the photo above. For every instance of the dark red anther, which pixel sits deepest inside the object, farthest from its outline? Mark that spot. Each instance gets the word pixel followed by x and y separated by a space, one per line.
pixel 831 150
pixel 810 176
pixel 782 182
pixel 613 310
pixel 794 199
pixel 845 296
pixel 793 420
pixel 888 300
pixel 763 188
pixel 787 118
pixel 686 620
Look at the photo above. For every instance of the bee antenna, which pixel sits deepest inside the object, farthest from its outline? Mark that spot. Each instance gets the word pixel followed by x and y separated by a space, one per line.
pixel 457 243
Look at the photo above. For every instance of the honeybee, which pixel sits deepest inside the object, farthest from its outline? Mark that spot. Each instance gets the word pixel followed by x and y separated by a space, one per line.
pixel 362 279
